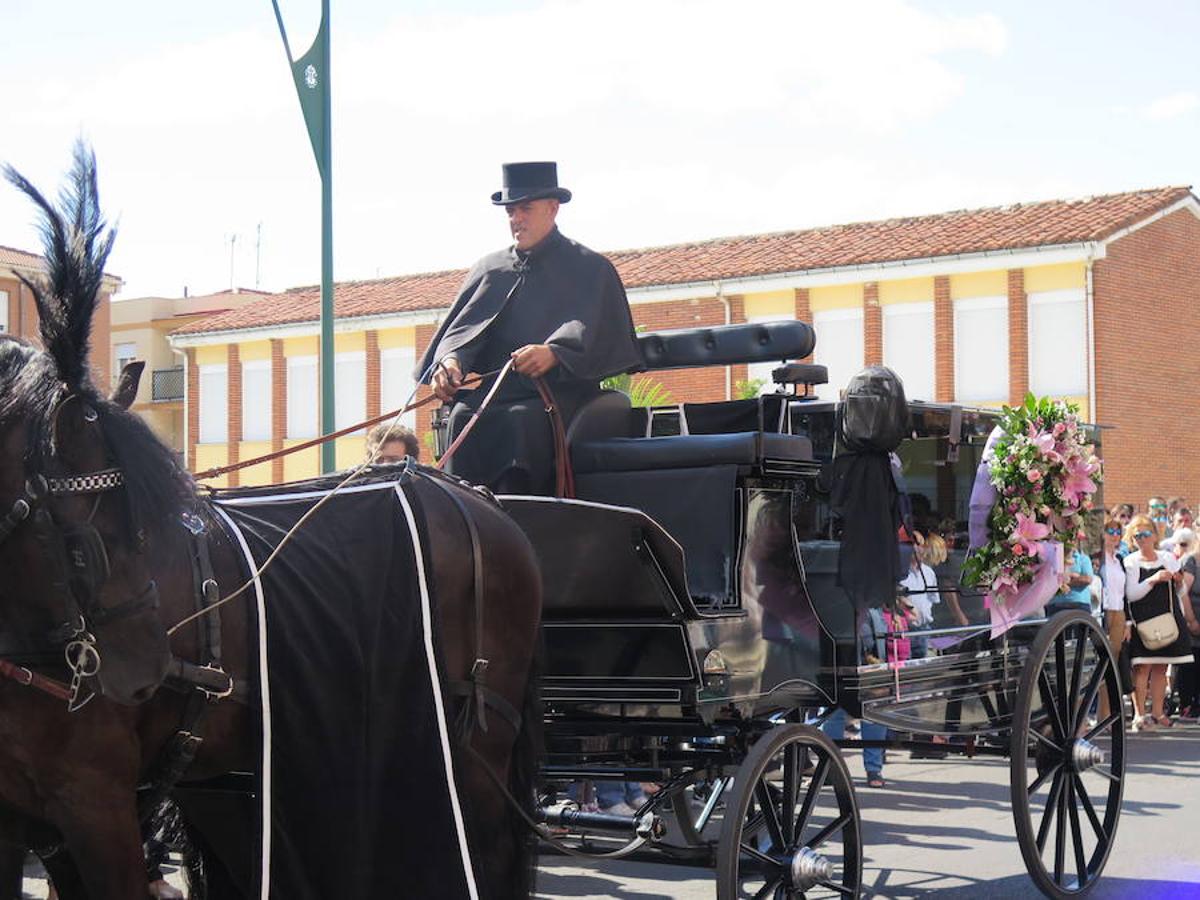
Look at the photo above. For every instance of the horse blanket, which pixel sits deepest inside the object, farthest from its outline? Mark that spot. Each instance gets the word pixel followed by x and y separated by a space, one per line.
pixel 358 789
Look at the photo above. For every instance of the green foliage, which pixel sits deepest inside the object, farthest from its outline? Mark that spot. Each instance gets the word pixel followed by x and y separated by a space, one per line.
pixel 749 389
pixel 642 391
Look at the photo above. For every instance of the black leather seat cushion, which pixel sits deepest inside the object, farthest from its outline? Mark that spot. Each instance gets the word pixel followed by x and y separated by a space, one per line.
pixel 688 451
pixel 727 345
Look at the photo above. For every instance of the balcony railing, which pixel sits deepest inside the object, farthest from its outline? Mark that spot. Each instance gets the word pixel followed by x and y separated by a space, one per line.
pixel 168 384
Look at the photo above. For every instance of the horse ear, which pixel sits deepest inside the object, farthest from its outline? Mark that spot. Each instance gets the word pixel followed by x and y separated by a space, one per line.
pixel 127 386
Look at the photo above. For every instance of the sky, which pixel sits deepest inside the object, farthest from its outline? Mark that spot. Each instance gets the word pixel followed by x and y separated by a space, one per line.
pixel 670 120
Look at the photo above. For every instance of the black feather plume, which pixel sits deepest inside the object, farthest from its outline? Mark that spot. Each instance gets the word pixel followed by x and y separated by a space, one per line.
pixel 76 242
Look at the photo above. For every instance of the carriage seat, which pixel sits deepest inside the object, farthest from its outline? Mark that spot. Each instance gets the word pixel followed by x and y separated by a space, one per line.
pixel 688 451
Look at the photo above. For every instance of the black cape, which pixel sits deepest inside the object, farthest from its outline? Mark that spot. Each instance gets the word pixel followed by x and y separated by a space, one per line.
pixel 559 293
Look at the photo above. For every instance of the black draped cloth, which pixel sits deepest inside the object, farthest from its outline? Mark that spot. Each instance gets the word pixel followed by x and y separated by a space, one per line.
pixel 863 495
pixel 561 294
pixel 359 799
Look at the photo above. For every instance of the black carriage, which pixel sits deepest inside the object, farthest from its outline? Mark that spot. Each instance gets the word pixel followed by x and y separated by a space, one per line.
pixel 696 634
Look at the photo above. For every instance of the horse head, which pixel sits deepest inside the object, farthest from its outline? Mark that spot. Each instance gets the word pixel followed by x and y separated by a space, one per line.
pixel 87 489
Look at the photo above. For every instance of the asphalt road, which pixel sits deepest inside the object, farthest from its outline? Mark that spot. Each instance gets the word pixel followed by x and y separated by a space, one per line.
pixel 945 829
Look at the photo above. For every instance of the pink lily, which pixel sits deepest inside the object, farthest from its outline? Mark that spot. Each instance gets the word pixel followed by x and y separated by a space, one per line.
pixel 1028 532
pixel 1078 482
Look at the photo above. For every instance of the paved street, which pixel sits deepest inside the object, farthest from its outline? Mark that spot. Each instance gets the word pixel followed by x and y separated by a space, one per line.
pixel 945 828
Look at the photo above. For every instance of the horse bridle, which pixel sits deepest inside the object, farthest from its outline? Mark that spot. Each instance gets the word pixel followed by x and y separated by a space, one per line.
pixel 79 569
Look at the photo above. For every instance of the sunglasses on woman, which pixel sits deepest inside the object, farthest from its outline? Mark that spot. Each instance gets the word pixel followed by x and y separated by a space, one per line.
pixel 1142 535
pixel 1115 532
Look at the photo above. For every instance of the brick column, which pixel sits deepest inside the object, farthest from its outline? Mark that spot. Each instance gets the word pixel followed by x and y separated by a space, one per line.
pixel 803 312
pixel 374 385
pixel 278 407
pixel 233 440
pixel 943 340
pixel 872 325
pixel 1018 337
pixel 192 373
pixel 424 335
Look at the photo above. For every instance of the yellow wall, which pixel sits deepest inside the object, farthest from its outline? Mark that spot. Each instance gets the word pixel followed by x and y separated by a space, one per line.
pixel 300 346
pixel 254 350
pixel 979 284
pixel 838 296
pixel 211 355
pixel 771 303
pixel 301 465
pixel 353 340
pixel 907 290
pixel 255 475
pixel 209 456
pixel 397 337
pixel 1055 278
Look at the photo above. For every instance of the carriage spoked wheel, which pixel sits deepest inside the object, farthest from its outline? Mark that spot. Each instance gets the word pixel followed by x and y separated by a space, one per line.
pixel 785 833
pixel 1067 773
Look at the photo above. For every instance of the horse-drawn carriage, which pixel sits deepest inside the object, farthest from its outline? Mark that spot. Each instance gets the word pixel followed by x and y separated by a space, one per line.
pixel 694 613
pixel 694 635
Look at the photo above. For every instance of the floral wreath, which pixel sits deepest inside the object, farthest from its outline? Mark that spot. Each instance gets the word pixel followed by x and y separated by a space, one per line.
pixel 1044 473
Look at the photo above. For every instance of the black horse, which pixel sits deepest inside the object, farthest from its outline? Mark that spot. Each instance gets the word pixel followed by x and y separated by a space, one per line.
pixel 94 565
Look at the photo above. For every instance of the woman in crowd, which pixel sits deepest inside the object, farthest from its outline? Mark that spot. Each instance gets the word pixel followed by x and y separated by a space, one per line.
pixel 1122 512
pixel 1187 678
pixel 922 586
pixel 1153 584
pixel 1112 602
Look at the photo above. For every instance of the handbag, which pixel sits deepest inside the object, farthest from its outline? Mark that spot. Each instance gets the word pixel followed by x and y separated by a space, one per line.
pixel 1161 630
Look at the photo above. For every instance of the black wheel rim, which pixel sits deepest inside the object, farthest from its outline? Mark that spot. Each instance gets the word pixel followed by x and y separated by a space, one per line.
pixel 1068 771
pixel 799 833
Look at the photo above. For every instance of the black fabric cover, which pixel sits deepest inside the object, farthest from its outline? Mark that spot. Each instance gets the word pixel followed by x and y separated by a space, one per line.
pixel 763 413
pixel 864 498
pixel 873 414
pixel 360 799
pixel 727 345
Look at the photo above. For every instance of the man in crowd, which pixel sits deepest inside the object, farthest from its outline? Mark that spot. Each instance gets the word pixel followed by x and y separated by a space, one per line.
pixel 556 309
pixel 1078 594
pixel 388 443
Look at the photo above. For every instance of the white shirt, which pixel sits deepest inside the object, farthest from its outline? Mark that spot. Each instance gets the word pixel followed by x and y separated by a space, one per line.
pixel 1135 587
pixel 922 592
pixel 1114 583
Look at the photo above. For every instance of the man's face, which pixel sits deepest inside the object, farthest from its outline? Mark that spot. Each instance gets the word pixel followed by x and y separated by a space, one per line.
pixel 392 452
pixel 531 220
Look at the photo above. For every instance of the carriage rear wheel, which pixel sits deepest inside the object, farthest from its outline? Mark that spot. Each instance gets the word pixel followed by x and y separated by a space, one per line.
pixel 1067 772
pixel 785 833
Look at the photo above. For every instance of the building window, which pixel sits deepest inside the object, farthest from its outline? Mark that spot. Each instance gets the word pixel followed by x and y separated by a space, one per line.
pixel 908 346
pixel 1058 343
pixel 350 388
pixel 839 347
pixel 126 353
pixel 256 400
pixel 303 397
pixel 981 350
pixel 214 404
pixel 396 382
pixel 3 312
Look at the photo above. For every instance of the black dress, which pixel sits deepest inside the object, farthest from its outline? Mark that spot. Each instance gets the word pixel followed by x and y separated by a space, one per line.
pixel 1162 598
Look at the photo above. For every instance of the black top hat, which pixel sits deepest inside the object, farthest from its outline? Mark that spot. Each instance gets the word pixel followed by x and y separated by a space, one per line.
pixel 530 181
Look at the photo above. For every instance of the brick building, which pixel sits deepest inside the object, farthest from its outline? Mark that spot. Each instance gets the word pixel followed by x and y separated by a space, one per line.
pixel 1092 300
pixel 18 314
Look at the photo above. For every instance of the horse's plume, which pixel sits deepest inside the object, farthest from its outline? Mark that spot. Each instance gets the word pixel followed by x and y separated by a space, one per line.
pixel 76 242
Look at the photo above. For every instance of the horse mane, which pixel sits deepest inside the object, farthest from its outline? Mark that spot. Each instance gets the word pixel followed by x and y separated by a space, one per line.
pixel 76 244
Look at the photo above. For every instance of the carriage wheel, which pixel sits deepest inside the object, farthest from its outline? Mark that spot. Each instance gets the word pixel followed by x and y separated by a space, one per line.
pixel 1067 774
pixel 786 834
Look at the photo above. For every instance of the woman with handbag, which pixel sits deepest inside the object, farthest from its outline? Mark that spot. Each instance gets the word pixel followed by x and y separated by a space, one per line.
pixel 1153 583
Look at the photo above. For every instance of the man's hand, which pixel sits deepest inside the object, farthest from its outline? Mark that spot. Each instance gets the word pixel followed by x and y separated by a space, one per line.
pixel 447 378
pixel 534 360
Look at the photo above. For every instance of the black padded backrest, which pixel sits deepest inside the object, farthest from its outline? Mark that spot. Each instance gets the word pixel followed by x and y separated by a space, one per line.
pixel 726 345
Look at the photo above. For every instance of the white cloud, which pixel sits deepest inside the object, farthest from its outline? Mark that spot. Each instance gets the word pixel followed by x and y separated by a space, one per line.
pixel 671 120
pixel 1171 106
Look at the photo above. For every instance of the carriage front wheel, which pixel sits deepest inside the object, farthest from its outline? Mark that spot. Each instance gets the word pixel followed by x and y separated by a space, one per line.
pixel 791 825
pixel 1067 770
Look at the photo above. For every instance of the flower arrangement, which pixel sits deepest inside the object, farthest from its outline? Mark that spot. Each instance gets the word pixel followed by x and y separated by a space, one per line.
pixel 1044 474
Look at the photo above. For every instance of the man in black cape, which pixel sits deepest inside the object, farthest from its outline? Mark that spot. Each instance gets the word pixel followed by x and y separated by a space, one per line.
pixel 553 306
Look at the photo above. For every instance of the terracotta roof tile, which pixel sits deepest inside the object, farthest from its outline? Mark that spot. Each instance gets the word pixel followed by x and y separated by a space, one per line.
pixel 1040 224
pixel 10 256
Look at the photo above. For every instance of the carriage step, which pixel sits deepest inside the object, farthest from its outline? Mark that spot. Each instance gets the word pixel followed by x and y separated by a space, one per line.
pixel 647 826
